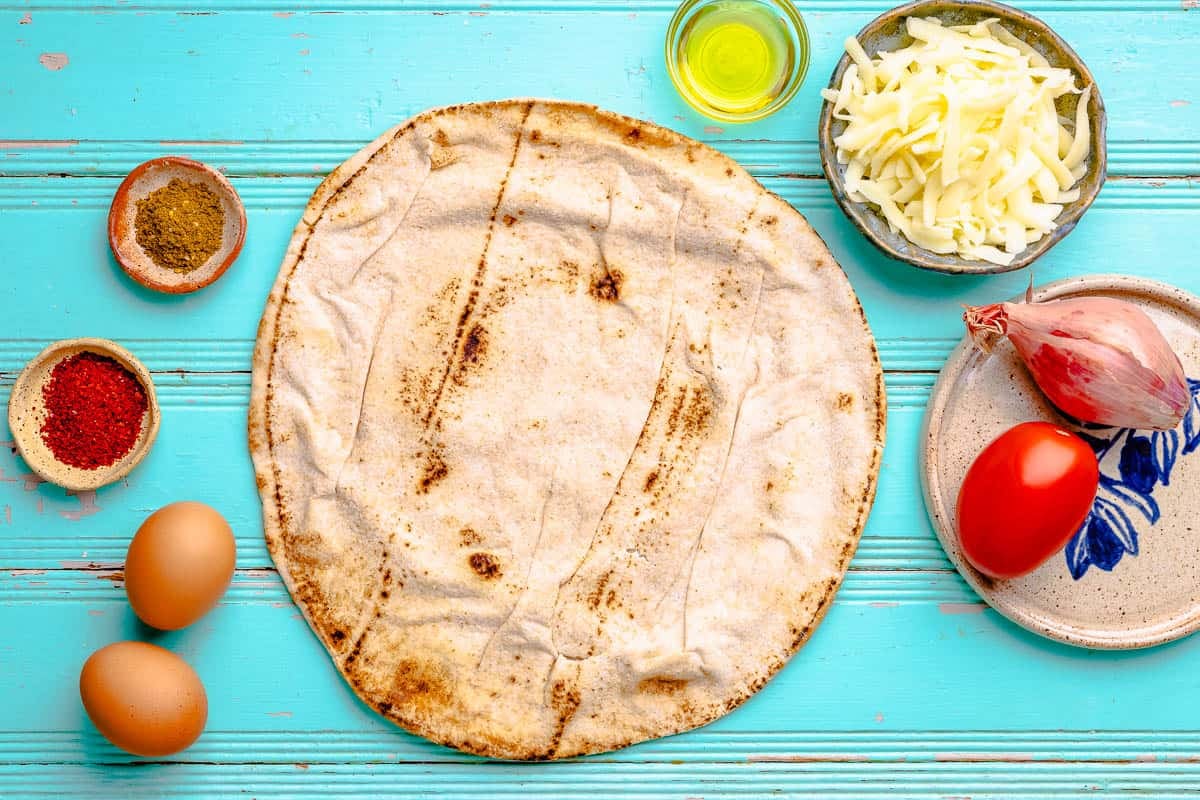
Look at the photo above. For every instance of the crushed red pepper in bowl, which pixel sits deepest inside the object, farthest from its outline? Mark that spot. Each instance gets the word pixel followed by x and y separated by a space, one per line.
pixel 83 413
pixel 94 411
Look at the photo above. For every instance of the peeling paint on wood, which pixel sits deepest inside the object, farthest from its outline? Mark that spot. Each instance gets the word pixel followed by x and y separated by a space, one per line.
pixel 809 758
pixel 1004 758
pixel 200 143
pixel 31 481
pixel 962 608
pixel 87 506
pixel 26 20
pixel 54 61
pixel 90 566
pixel 31 144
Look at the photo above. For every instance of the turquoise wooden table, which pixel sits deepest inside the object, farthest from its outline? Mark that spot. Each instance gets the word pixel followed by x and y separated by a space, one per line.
pixel 911 687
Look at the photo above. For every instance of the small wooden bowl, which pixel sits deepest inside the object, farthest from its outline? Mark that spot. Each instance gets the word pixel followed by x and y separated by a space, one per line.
pixel 27 413
pixel 122 236
pixel 887 33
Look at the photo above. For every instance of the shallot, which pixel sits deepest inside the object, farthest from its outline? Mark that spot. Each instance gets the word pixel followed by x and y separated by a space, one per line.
pixel 1098 359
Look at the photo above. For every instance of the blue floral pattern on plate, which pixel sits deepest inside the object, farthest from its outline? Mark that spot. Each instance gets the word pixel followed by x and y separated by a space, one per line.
pixel 1132 464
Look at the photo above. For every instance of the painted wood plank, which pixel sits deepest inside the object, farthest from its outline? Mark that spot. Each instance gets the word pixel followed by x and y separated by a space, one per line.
pixel 382 744
pixel 818 781
pixel 305 158
pixel 291 8
pixel 87 294
pixel 298 730
pixel 182 362
pixel 917 666
pixel 201 454
pixel 256 75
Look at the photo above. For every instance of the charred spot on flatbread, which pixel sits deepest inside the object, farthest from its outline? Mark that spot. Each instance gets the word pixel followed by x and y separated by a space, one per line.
pixel 607 286
pixel 433 470
pixel 485 565
pixel 660 685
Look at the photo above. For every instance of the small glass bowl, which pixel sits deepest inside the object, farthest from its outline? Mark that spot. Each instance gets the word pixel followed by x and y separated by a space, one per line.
pixel 797 34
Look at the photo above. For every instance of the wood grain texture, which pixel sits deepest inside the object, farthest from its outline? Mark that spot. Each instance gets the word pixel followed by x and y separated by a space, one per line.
pixel 306 158
pixel 911 688
pixel 928 670
pixel 250 76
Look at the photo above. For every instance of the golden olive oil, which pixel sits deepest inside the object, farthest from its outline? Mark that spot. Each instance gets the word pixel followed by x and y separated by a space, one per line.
pixel 735 55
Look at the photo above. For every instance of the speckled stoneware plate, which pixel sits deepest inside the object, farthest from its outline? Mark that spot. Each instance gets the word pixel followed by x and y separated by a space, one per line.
pixel 887 33
pixel 27 413
pixel 1131 576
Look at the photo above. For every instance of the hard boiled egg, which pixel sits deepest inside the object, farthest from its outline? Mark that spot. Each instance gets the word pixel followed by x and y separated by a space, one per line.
pixel 143 699
pixel 179 563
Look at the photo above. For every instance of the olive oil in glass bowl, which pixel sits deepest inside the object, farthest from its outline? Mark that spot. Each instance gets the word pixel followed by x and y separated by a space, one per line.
pixel 737 60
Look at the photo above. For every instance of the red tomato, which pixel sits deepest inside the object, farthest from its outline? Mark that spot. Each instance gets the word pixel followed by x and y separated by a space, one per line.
pixel 1024 497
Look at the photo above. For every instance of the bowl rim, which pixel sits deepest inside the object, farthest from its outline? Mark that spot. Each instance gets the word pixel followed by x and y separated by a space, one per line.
pixel 105 475
pixel 796 25
pixel 120 202
pixel 920 257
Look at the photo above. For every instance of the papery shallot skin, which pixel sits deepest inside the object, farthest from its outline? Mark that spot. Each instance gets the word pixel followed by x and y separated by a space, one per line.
pixel 1098 359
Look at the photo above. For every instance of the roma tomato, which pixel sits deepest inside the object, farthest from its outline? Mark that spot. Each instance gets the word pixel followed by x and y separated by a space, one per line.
pixel 1024 497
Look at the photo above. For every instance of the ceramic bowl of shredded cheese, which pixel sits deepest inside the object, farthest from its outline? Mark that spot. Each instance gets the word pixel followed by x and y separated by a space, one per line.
pixel 962 137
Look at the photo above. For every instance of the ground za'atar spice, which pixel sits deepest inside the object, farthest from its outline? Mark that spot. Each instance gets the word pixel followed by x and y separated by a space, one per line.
pixel 94 411
pixel 180 225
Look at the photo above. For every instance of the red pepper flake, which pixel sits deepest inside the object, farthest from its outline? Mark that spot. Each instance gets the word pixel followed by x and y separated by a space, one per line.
pixel 95 408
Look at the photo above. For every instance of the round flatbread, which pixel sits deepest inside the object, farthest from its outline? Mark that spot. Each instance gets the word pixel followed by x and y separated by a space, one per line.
pixel 565 428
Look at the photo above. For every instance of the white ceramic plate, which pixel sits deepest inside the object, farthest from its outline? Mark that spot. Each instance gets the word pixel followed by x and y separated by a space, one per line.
pixel 1131 577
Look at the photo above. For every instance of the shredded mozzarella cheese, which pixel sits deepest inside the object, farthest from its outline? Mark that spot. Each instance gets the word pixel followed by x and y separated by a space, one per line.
pixel 956 139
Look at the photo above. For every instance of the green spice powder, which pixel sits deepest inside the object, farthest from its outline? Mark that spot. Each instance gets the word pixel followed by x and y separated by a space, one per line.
pixel 180 225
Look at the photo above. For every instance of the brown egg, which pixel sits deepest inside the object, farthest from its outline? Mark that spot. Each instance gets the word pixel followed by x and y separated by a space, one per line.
pixel 179 563
pixel 143 699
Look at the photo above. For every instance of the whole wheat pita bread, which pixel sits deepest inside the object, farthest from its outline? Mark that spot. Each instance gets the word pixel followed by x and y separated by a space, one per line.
pixel 565 428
